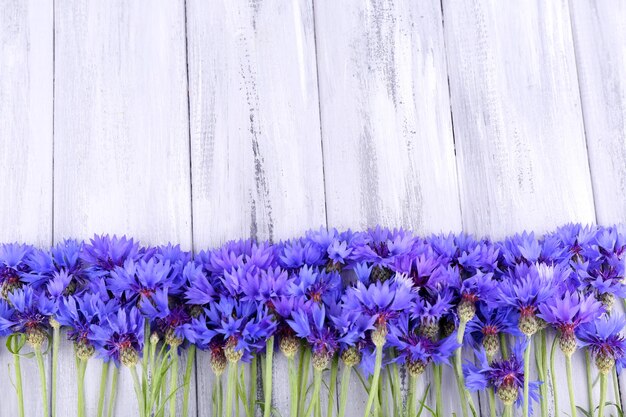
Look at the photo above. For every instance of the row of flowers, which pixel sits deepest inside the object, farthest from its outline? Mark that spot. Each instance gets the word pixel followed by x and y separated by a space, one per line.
pixel 356 301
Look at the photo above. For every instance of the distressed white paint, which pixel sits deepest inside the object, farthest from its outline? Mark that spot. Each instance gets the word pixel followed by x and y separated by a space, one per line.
pixel 256 146
pixel 517 121
pixel 121 149
pixel 25 157
pixel 388 147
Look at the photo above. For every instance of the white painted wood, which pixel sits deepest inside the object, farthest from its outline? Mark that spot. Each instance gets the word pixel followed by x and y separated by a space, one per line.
pixel 517 121
pixel 256 146
pixel 25 157
pixel 121 138
pixel 388 147
pixel 599 32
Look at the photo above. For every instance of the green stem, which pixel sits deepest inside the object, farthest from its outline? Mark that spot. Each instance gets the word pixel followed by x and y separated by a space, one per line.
pixel 334 368
pixel 42 379
pixel 508 410
pixel 589 381
pixel 230 388
pixel 492 402
pixel 411 406
pixel 267 383
pixel 315 398
pixel 618 399
pixel 138 391
pixel 113 394
pixel 293 387
pixel 173 380
pixel 458 367
pixel 526 375
pixel 540 354
pixel 374 386
pixel 82 366
pixel 396 387
pixel 304 379
pixel 570 387
pixel 555 392
pixel 345 384
pixel 191 357
pixel 18 384
pixel 602 394
pixel 145 360
pixel 252 394
pixel 504 347
pixel 103 383
pixel 220 397
pixel 56 340
pixel 438 402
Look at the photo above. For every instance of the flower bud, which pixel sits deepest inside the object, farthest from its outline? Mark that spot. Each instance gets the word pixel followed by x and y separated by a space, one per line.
pixel 447 328
pixel 35 337
pixel 567 343
pixel 429 329
pixel 8 287
pixel 195 311
pixel 380 274
pixel 491 343
pixel 54 323
pixel 333 266
pixel 605 363
pixel 230 351
pixel 467 309
pixel 154 338
pixel 84 349
pixel 608 300
pixel 379 335
pixel 416 368
pixel 171 339
pixel 528 324
pixel 289 345
pixel 351 356
pixel 507 393
pixel 321 360
pixel 218 361
pixel 129 357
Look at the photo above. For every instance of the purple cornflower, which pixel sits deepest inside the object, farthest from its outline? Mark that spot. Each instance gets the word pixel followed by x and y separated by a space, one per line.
pixel 489 323
pixel 79 313
pixel 566 312
pixel 312 286
pixel 316 327
pixel 416 349
pixel 137 282
pixel 13 266
pixel 526 288
pixel 104 253
pixel 381 248
pixel 604 339
pixel 28 313
pixel 120 336
pixel 505 376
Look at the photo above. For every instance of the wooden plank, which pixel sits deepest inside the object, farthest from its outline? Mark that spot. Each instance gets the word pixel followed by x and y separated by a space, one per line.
pixel 386 128
pixel 599 31
pixel 26 80
pixel 517 122
pixel 256 147
pixel 121 139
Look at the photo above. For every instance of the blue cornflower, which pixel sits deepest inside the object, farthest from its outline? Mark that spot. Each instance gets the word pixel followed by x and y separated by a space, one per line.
pixel 79 313
pixel 200 287
pixel 120 336
pixel 381 248
pixel 505 376
pixel 566 312
pixel 138 281
pixel 488 325
pixel 312 286
pixel 416 349
pixel 13 266
pixel 316 327
pixel 104 253
pixel 604 339
pixel 29 313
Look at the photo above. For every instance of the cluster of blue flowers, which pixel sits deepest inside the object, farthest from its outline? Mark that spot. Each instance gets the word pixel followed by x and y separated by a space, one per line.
pixel 339 295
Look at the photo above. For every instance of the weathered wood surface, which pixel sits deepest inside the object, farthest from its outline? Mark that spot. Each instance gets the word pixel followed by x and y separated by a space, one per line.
pixel 431 115
pixel 121 149
pixel 255 135
pixel 26 80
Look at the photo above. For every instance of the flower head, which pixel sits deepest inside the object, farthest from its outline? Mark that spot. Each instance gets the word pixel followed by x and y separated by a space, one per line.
pixel 604 339
pixel 120 336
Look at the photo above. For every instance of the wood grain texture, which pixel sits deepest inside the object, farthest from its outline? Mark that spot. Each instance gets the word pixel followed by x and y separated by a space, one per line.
pixel 256 146
pixel 599 30
pixel 26 84
pixel 121 137
pixel 386 128
pixel 518 125
pixel 517 120
pixel 388 148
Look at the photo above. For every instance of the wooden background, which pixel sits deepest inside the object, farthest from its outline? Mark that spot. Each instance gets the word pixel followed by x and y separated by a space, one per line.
pixel 200 121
